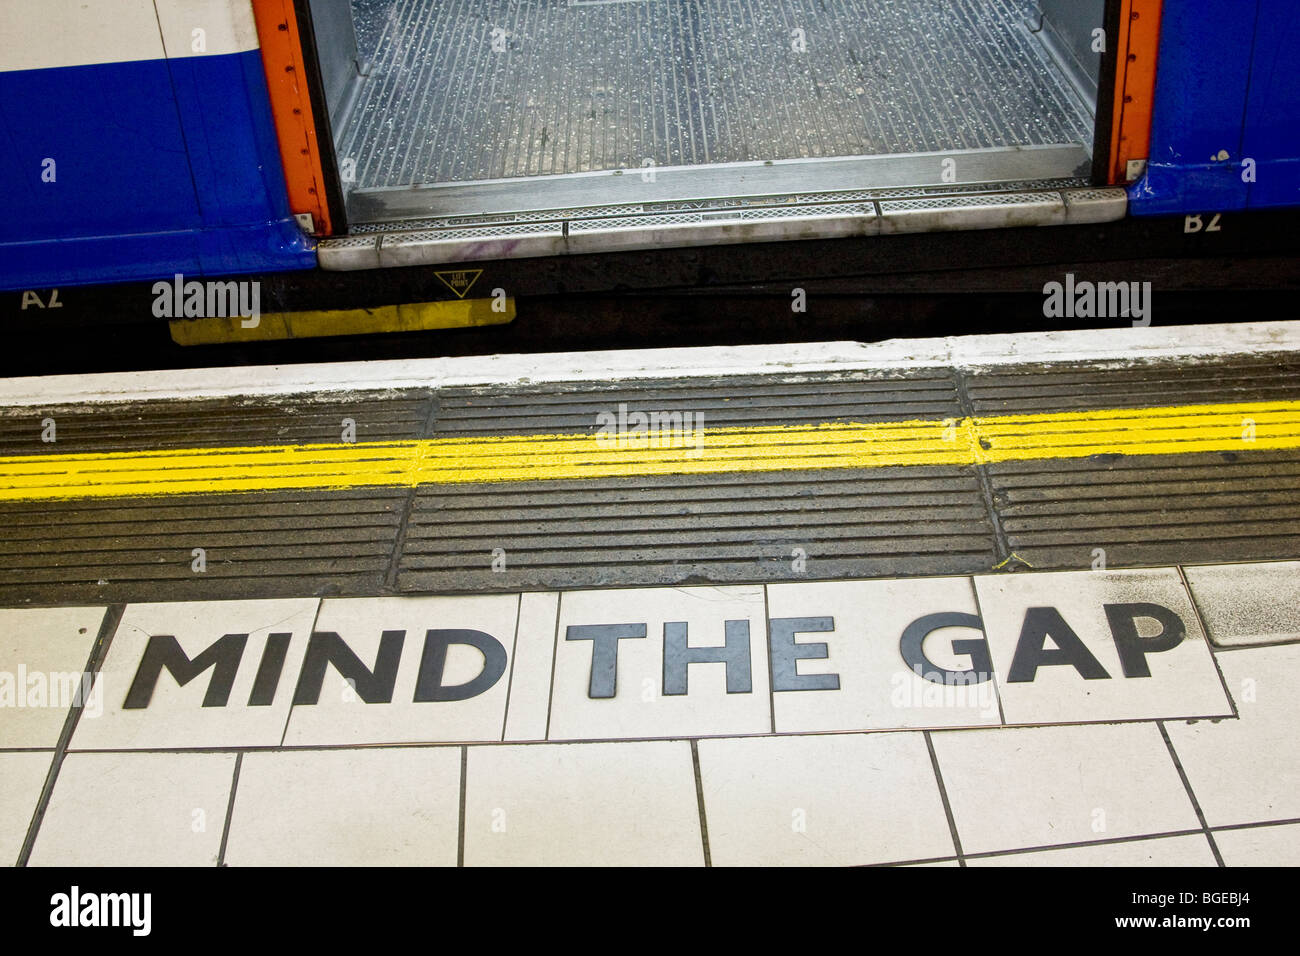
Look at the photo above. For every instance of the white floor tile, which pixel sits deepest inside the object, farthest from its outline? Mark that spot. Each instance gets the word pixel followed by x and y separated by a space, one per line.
pixel 640 706
pixel 876 687
pixel 175 715
pixel 1248 770
pixel 1277 845
pixel 22 775
pixel 43 655
pixel 1188 850
pixel 136 810
pixel 604 804
pixel 1248 603
pixel 1041 786
pixel 341 714
pixel 822 800
pixel 397 806
pixel 1088 679
pixel 530 671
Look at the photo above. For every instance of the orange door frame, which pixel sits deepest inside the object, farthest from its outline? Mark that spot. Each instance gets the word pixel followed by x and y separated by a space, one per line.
pixel 1138 44
pixel 295 120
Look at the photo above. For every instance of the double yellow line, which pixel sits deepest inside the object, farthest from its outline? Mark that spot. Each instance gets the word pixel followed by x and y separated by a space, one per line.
pixel 1174 430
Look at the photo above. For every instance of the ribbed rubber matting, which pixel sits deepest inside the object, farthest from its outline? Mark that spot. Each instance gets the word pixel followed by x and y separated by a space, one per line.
pixel 265 544
pixel 773 526
pixel 1124 511
pixel 584 85
pixel 1208 507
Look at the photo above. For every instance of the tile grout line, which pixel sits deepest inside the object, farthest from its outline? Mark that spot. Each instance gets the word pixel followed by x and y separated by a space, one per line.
pixel 916 862
pixel 399 540
pixel 767 639
pixel 943 795
pixel 514 652
pixel 584 741
pixel 1209 644
pixel 22 602
pixel 1187 785
pixel 993 677
pixel 98 651
pixel 460 828
pixel 1229 648
pixel 288 716
pixel 230 809
pixel 699 801
pixel 1082 844
pixel 555 653
pixel 1259 823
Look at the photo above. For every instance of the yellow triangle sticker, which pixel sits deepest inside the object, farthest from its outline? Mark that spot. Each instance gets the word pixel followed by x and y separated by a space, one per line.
pixel 459 282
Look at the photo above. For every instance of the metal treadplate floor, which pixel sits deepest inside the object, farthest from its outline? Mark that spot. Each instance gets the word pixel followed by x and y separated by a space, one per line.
pixel 513 507
pixel 584 86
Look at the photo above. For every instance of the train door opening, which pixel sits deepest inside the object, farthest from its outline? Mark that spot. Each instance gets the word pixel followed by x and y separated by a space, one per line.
pixel 447 110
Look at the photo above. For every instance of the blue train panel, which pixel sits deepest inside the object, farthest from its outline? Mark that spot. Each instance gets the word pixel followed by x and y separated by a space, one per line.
pixel 1225 133
pixel 146 166
pixel 1272 136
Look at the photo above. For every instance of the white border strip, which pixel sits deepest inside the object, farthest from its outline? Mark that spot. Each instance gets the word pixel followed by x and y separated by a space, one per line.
pixel 1111 346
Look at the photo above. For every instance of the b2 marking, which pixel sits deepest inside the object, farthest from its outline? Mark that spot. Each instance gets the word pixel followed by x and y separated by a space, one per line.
pixel 1194 223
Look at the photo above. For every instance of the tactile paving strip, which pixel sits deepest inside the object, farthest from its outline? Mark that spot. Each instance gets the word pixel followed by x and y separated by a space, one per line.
pixel 1123 511
pixel 771 526
pixel 753 401
pixel 1233 504
pixel 269 543
pixel 1127 511
pixel 263 544
pixel 574 88
pixel 146 426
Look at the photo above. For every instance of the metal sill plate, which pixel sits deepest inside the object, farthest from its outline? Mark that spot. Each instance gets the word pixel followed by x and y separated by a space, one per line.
pixel 779 219
pixel 958 168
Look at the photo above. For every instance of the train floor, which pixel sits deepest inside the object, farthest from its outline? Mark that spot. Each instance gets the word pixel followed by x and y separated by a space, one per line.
pixel 461 92
pixel 1025 599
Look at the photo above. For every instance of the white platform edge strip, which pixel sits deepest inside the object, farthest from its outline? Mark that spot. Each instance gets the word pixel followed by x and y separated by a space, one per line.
pixel 1115 347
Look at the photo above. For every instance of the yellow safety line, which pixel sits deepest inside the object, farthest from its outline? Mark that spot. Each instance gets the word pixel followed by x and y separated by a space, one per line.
pixel 1171 430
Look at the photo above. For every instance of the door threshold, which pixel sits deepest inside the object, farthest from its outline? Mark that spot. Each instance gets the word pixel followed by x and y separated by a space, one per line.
pixel 622 187
pixel 775 218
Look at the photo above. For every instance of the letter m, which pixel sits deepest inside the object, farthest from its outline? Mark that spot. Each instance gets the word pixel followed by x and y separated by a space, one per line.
pixel 115 909
pixel 1115 297
pixel 223 299
pixel 164 651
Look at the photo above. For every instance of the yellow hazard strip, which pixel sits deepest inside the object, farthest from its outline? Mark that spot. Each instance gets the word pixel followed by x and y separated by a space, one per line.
pixel 1176 430
pixel 407 317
